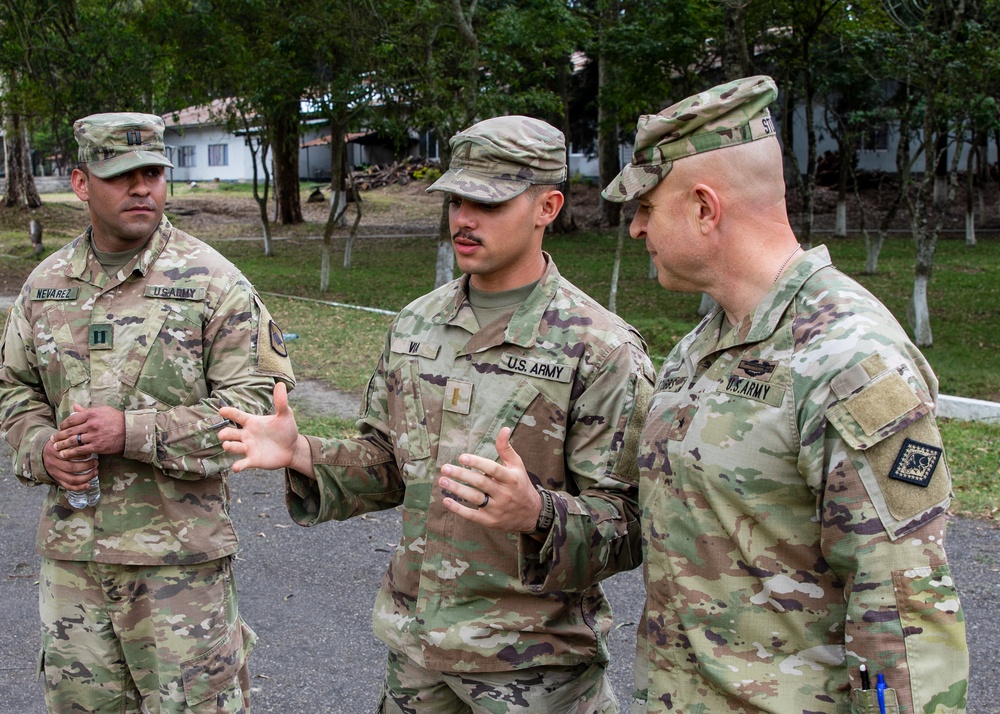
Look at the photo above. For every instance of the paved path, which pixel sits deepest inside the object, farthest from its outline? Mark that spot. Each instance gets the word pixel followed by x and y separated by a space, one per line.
pixel 308 593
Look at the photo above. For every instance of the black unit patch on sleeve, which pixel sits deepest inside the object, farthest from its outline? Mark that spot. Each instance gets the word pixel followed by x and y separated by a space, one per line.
pixel 915 463
pixel 277 339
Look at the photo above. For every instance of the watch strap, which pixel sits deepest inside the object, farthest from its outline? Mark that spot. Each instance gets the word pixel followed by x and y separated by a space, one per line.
pixel 548 514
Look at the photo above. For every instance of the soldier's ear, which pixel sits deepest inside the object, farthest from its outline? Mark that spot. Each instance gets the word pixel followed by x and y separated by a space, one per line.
pixel 78 180
pixel 706 207
pixel 548 206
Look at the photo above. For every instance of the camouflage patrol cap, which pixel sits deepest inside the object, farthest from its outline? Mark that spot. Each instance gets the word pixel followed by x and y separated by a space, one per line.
pixel 727 115
pixel 113 144
pixel 497 159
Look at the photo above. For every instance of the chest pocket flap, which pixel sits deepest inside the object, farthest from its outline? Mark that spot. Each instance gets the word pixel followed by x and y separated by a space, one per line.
pixel 72 361
pixel 508 415
pixel 166 359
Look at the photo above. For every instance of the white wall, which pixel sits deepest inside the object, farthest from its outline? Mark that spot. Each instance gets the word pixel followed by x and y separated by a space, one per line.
pixel 867 160
pixel 238 165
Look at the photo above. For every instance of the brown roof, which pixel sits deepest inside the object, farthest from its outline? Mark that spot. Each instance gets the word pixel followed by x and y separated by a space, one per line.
pixel 325 140
pixel 197 115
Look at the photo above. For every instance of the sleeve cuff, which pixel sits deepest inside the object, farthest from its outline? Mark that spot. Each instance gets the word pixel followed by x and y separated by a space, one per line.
pixel 140 435
pixel 36 464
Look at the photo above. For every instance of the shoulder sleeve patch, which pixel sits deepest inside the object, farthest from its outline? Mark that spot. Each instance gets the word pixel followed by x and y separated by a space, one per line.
pixel 277 339
pixel 901 460
pixel 272 353
pixel 910 470
pixel 915 463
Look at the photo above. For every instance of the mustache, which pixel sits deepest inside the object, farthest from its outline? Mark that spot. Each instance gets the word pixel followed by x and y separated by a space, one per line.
pixel 466 234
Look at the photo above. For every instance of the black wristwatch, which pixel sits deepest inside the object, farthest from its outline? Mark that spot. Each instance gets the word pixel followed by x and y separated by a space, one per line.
pixel 548 513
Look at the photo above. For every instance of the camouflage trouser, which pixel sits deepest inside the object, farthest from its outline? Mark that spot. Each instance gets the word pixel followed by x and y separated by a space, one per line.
pixel 135 638
pixel 411 689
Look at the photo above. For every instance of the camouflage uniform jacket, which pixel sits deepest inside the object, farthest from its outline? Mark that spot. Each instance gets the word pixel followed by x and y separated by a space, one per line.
pixel 167 342
pixel 573 381
pixel 793 495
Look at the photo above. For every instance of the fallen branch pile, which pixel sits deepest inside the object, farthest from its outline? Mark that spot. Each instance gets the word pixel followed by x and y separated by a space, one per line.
pixel 399 172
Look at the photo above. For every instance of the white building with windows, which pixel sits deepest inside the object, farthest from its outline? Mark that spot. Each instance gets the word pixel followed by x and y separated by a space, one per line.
pixel 202 149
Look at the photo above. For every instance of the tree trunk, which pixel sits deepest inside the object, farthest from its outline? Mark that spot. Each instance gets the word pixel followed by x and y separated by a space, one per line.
pixel 21 189
pixel 565 222
pixel 349 244
pixel 266 229
pixel 616 269
pixel 35 232
pixel 925 230
pixel 337 203
pixel 920 319
pixel 940 159
pixel 843 179
pixel 257 143
pixel 735 51
pixel 970 194
pixel 607 140
pixel 809 185
pixel 982 171
pixel 793 173
pixel 444 269
pixel 285 145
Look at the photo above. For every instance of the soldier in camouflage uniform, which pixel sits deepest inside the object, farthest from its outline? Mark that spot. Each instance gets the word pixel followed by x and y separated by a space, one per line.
pixel 793 484
pixel 116 357
pixel 491 602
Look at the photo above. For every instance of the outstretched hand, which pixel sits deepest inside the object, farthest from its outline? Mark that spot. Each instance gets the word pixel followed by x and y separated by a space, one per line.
pixel 513 504
pixel 266 442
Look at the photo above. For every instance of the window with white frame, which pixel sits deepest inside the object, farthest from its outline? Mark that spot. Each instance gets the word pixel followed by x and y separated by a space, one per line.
pixel 185 157
pixel 218 155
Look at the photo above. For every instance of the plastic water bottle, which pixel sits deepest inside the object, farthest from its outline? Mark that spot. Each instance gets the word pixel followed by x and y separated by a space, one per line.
pixel 88 497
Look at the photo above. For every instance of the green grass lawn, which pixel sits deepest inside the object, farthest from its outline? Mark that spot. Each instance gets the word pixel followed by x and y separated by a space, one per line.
pixel 964 293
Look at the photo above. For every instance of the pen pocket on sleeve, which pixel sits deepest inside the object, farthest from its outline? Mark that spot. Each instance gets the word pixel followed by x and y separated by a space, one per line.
pixel 865 701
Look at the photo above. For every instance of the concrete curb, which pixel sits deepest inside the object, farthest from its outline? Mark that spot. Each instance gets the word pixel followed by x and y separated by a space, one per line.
pixel 965 409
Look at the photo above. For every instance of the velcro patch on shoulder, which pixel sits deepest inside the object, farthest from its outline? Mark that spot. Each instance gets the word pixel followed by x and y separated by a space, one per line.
pixel 882 402
pixel 915 463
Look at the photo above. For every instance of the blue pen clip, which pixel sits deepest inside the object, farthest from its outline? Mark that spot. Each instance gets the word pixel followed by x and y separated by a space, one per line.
pixel 880 692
